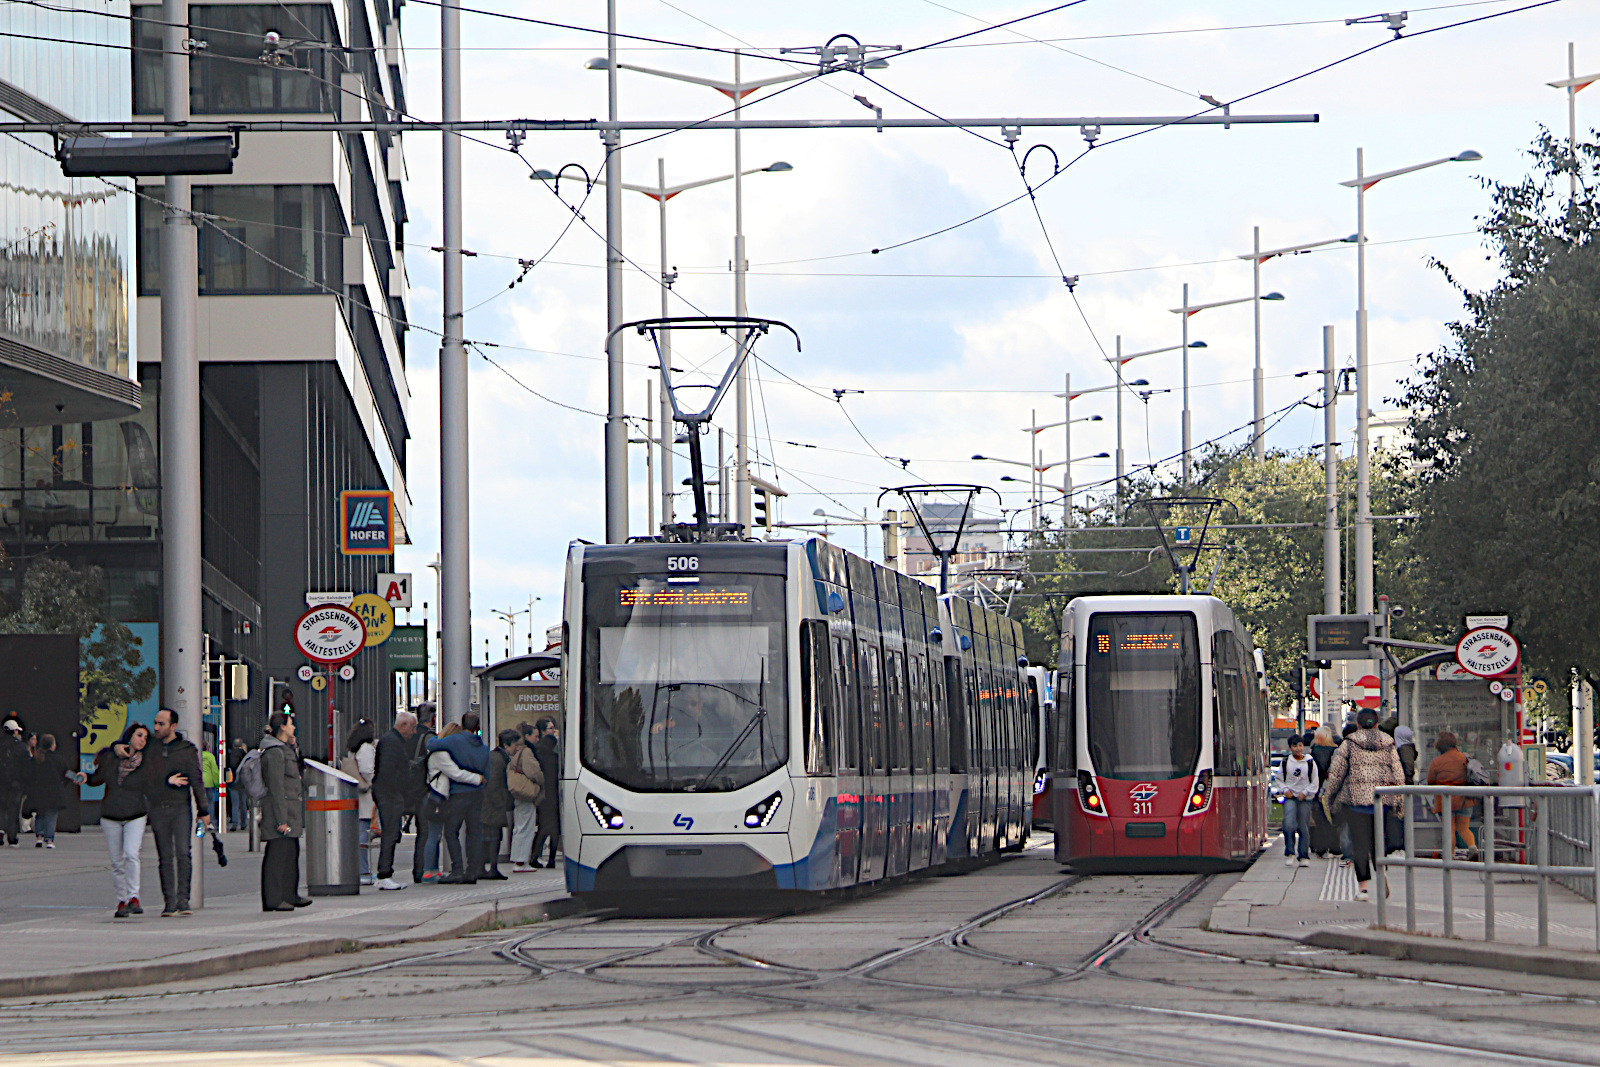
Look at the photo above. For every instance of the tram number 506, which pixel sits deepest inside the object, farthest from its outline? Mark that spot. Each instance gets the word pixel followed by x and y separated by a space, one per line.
pixel 683 564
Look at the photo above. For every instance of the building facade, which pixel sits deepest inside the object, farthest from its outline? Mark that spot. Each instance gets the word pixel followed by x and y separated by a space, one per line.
pixel 302 337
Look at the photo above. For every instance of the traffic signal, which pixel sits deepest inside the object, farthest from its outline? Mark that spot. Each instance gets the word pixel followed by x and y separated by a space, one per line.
pixel 762 518
pixel 1294 682
pixel 286 702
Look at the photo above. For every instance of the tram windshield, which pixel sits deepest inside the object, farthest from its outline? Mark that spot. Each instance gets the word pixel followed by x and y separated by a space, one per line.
pixel 1142 696
pixel 684 685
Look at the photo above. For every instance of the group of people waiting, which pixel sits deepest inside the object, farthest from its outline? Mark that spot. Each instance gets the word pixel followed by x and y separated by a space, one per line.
pixel 460 794
pixel 1329 791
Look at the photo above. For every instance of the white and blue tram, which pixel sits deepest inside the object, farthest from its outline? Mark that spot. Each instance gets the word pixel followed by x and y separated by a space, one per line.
pixel 782 716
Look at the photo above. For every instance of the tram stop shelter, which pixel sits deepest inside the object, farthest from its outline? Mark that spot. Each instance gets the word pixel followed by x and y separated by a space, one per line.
pixel 512 692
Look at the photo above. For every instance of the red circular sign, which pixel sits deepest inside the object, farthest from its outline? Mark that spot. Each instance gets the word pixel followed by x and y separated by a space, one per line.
pixel 330 634
pixel 1370 684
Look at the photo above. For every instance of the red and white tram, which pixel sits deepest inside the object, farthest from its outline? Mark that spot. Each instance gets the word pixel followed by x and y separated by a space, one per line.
pixel 1161 736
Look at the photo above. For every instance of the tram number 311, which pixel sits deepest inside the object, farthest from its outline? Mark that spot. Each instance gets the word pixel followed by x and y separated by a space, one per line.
pixel 1144 807
pixel 683 563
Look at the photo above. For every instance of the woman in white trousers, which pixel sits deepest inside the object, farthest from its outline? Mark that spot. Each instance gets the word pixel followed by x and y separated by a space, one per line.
pixel 123 811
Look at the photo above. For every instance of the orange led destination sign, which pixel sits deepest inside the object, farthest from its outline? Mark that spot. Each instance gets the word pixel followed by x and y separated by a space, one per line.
pixel 679 596
pixel 1139 643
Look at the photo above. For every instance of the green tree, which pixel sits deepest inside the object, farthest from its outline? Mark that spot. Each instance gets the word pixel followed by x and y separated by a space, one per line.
pixel 57 598
pixel 1508 486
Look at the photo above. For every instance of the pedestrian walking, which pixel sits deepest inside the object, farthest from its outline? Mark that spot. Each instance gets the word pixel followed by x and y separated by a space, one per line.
pixel 238 803
pixel 14 765
pixel 549 752
pixel 1300 783
pixel 47 789
pixel 1324 834
pixel 391 785
pixel 123 812
pixel 464 810
pixel 497 803
pixel 361 762
pixel 1449 767
pixel 443 772
pixel 172 777
pixel 282 817
pixel 211 774
pixel 1405 743
pixel 1365 761
pixel 525 782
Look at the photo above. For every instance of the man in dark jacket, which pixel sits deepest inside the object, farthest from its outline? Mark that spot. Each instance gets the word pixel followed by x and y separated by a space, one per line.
pixel 465 807
pixel 171 776
pixel 497 803
pixel 391 782
pixel 14 764
pixel 548 749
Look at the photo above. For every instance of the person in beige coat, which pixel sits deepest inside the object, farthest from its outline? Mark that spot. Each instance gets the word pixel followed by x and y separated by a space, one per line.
pixel 283 817
pixel 1366 760
pixel 525 779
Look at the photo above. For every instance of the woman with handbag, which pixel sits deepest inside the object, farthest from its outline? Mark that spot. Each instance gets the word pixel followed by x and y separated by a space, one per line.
pixel 123 812
pixel 1365 761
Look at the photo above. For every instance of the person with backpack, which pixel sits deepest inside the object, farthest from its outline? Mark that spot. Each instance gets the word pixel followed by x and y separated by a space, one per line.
pixel 525 781
pixel 1452 767
pixel 123 812
pixel 1300 784
pixel 391 785
pixel 1365 761
pixel 282 817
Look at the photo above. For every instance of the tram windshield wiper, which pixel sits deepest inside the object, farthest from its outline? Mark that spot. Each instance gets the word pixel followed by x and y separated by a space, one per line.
pixel 758 719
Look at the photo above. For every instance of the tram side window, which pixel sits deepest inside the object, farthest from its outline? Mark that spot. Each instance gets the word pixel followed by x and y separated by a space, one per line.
pixel 877 755
pixel 927 718
pixel 898 713
pixel 1250 709
pixel 1230 742
pixel 1065 723
pixel 817 681
pixel 847 705
pixel 940 710
pixel 958 707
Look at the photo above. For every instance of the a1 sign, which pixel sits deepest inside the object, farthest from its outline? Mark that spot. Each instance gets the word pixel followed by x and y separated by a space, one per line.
pixel 396 589
pixel 1487 651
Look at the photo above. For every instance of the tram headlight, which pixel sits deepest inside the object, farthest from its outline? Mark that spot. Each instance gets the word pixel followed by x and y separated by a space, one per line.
pixel 1200 795
pixel 759 815
pixel 1089 794
pixel 604 813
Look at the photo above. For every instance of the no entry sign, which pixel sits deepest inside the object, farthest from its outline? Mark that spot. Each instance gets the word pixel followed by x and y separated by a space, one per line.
pixel 330 634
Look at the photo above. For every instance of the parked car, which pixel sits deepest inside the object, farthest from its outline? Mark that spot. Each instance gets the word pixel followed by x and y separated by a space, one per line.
pixel 1558 766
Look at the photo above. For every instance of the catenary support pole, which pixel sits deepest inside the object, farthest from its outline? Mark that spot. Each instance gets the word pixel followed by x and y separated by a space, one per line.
pixel 182 667
pixel 616 445
pixel 1121 470
pixel 455 598
pixel 1066 479
pixel 668 430
pixel 1330 473
pixel 1185 314
pixel 741 438
pixel 1363 546
pixel 1259 416
pixel 1572 131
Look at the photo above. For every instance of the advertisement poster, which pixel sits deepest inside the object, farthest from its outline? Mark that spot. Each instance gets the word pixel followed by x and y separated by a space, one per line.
pixel 109 722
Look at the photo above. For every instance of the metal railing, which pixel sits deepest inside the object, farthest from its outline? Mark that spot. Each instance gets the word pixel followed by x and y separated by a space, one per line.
pixel 1556 841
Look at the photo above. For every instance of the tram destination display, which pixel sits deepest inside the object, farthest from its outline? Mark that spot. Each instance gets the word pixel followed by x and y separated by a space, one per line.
pixel 1341 636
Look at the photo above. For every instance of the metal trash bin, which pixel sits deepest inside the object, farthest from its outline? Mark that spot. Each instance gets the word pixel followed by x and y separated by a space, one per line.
pixel 333 825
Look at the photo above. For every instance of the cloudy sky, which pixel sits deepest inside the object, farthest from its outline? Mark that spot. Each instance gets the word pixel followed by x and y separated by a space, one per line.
pixel 955 340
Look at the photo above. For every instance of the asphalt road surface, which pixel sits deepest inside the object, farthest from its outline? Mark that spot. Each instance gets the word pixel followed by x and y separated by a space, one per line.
pixel 1016 963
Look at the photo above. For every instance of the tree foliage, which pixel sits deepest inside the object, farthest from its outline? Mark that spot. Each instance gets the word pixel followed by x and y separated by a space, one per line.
pixel 57 598
pixel 1508 486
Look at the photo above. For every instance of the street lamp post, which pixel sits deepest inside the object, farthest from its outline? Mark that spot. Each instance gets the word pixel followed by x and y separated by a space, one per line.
pixel 1572 83
pixel 1066 425
pixel 1258 440
pixel 735 90
pixel 1070 395
pixel 661 192
pixel 1186 311
pixel 1361 183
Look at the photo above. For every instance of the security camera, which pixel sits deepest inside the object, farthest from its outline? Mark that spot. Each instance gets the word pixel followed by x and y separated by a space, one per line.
pixel 1397 612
